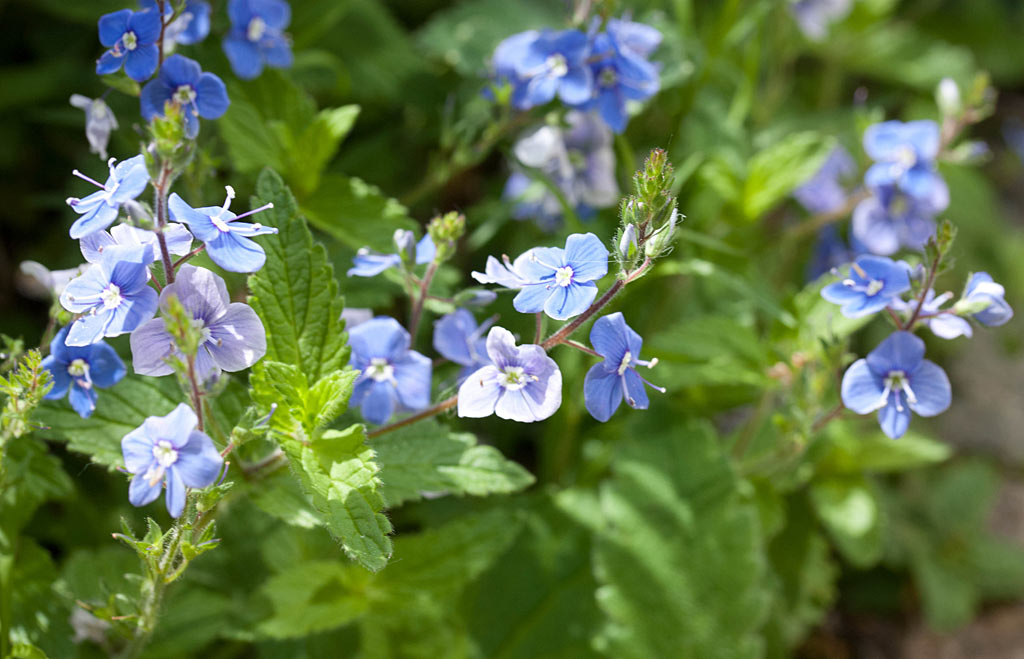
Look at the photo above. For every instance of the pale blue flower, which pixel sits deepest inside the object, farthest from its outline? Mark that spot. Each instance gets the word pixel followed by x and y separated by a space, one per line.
pixel 615 379
pixel 228 241
pixel 392 377
pixel 873 283
pixel 98 211
pixel 77 372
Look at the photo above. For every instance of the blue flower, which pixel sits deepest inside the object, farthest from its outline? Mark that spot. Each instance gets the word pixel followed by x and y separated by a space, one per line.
pixel 824 192
pixel 578 160
pixel 257 36
pixel 391 375
pixel 131 37
pixel 546 64
pixel 370 264
pixel 190 27
pixel 176 236
pixel 182 83
pixel 458 338
pixel 615 379
pixel 169 449
pixel 982 289
pixel 814 16
pixel 943 323
pixel 99 122
pixel 232 337
pixel 522 383
pixel 227 241
pixel 890 219
pixel 126 182
pixel 505 273
pixel 904 155
pixel 830 251
pixel 895 379
pixel 80 371
pixel 561 281
pixel 621 70
pixel 874 282
pixel 113 295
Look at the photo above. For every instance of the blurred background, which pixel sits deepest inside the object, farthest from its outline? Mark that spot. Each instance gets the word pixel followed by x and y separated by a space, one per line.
pixel 941 573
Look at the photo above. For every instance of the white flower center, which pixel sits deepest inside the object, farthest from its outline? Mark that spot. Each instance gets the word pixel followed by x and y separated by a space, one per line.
pixel 897 381
pixel 563 276
pixel 380 370
pixel 557 65
pixel 874 286
pixel 906 158
pixel 514 378
pixel 625 363
pixel 221 225
pixel 165 453
pixel 256 29
pixel 185 95
pixel 204 331
pixel 78 368
pixel 130 41
pixel 111 296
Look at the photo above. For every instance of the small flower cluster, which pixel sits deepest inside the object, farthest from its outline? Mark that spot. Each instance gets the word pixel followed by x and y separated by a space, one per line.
pixel 895 379
pixel 199 332
pixel 519 382
pixel 570 164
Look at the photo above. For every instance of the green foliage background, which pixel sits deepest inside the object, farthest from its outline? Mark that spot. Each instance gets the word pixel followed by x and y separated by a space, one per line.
pixel 716 524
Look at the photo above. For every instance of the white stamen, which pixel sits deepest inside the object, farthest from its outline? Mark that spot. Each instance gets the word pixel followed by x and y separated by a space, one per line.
pixel 380 370
pixel 557 65
pixel 563 276
pixel 624 364
pixel 79 370
pixel 256 29
pixel 111 296
pixel 165 453
pixel 515 378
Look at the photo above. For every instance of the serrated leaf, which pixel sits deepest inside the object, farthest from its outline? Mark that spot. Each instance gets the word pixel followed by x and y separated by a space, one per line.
pixel 281 496
pixel 774 172
pixel 312 597
pixel 426 457
pixel 679 561
pixel 119 410
pixel 356 213
pixel 295 294
pixel 338 472
pixel 312 408
pixel 308 152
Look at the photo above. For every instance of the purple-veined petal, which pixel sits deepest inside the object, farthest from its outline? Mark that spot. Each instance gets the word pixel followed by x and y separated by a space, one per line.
pixel 565 302
pixel 235 253
pixel 602 392
pixel 412 374
pixel 371 265
pixel 140 492
pixel 635 390
pixel 200 223
pixel 238 339
pixel 151 344
pixel 199 463
pixel 174 427
pixel 206 367
pixel 83 292
pixel 131 313
pixel 501 347
pixel 452 336
pixel 894 418
pixel 82 400
pixel 901 351
pixel 532 298
pixel 88 329
pixel 175 497
pixel 931 389
pixel 99 218
pixel 861 389
pixel 200 291
pixel 587 256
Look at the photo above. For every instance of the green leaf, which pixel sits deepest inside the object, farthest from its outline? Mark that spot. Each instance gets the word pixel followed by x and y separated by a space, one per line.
pixel 356 213
pixel 26 651
pixel 338 472
pixel 119 410
pixel 281 496
pixel 849 509
pixel 426 457
pixel 845 452
pixel 307 153
pixel 312 597
pixel 30 477
pixel 774 172
pixel 312 408
pixel 295 294
pixel 680 561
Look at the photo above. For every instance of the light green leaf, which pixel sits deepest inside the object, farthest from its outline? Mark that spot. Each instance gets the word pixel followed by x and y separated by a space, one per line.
pixel 774 172
pixel 356 213
pixel 849 509
pixel 844 451
pixel 30 477
pixel 308 152
pixel 426 457
pixel 119 410
pixel 312 597
pixel 680 561
pixel 338 472
pixel 312 408
pixel 295 294
pixel 281 496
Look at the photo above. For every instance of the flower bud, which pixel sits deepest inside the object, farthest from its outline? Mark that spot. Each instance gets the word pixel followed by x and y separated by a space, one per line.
pixel 627 242
pixel 405 243
pixel 661 241
pixel 445 230
pixel 947 97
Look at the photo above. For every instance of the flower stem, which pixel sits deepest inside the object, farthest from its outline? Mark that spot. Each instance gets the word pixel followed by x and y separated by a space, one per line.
pixel 417 307
pixel 443 406
pixel 162 185
pixel 188 256
pixel 933 272
pixel 194 394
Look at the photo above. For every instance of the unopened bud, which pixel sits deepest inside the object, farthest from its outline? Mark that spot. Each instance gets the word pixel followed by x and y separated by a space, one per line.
pixel 405 242
pixel 627 243
pixel 661 241
pixel 445 230
pixel 947 97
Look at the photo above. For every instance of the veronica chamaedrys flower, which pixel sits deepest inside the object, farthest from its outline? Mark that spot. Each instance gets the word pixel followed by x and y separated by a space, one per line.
pixel 183 83
pixel 871 285
pixel 904 155
pixel 99 122
pixel 895 379
pixel 169 449
pixel 615 379
pixel 943 323
pixel 256 37
pixel 40 283
pixel 131 37
pixel 232 335
pixel 177 237
pixel 890 219
pixel 815 16
pixel 227 240
pixel 78 371
pixel 190 27
pixel 825 191
pixel 621 70
pixel 830 251
pixel 126 181
pixel 549 64
pixel 368 263
pixel 458 338
pixel 981 289
pixel 561 281
pixel 505 273
pixel 392 377
pixel 521 384
pixel 113 296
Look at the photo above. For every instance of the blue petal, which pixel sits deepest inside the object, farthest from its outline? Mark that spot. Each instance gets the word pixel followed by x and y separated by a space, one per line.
pixel 381 337
pixel 132 313
pixel 58 375
pixel 146 25
pixel 133 177
pixel 108 63
pixel 140 63
pixel 874 228
pixel 140 492
pixel 609 337
pixel 884 140
pixel 240 13
pixel 202 292
pixel 199 223
pixel 577 86
pixel 235 253
pixel 566 302
pixel 179 70
pixel 635 390
pixel 175 498
pixel 137 451
pixel 101 217
pixel 479 393
pixel 175 426
pixel 275 13
pixel 412 373
pixel 901 351
pixel 198 25
pixel 153 97
pixel 244 56
pixel 105 368
pixel 277 53
pixel 379 403
pixel 931 388
pixel 532 298
pixel 861 389
pixel 602 392
pixel 371 265
pixel 199 463
pixel 587 256
pixel 82 400
pixel 211 96
pixel 894 418
pixel 83 292
pixel 88 329
pixel 452 335
pixel 113 26
pixel 923 136
pixel 425 250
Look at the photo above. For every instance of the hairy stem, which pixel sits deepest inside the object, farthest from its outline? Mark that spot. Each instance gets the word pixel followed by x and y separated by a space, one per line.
pixel 162 185
pixel 933 272
pixel 188 256
pixel 421 297
pixel 196 396
pixel 443 406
